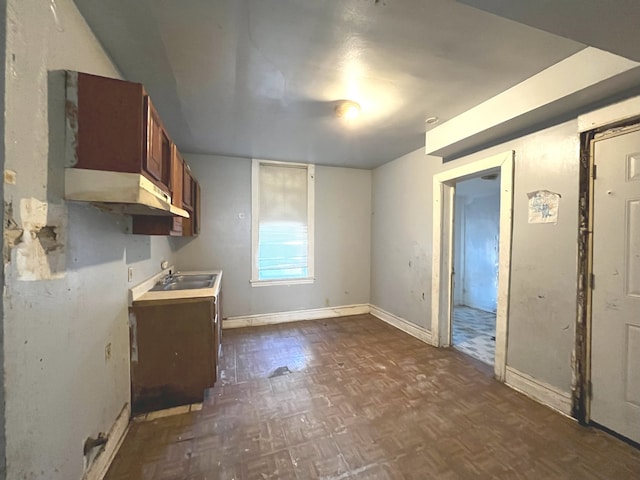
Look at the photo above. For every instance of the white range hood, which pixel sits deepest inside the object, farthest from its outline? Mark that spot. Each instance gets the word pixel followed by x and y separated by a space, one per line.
pixel 129 193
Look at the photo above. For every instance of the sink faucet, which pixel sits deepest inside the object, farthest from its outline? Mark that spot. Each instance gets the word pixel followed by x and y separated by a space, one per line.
pixel 167 279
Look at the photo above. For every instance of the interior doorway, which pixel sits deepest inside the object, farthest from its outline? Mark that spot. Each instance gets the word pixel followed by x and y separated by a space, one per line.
pixel 476 235
pixel 444 185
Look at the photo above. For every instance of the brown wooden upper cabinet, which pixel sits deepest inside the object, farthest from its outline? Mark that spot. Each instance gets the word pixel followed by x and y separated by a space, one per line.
pixel 112 125
pixel 117 128
pixel 191 225
pixel 187 189
pixel 158 152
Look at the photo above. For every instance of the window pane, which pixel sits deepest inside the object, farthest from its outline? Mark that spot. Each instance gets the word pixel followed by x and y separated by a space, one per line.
pixel 282 252
pixel 282 222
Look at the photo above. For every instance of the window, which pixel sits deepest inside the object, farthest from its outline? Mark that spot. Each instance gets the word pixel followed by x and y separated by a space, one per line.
pixel 282 222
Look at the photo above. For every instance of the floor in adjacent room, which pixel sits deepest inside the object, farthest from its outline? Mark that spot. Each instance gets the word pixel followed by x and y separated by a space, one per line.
pixel 474 333
pixel 355 398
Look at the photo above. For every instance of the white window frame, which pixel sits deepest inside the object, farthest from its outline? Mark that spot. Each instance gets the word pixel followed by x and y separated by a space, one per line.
pixel 255 222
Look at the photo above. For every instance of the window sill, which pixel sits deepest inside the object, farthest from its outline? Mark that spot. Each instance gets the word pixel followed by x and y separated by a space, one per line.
pixel 292 281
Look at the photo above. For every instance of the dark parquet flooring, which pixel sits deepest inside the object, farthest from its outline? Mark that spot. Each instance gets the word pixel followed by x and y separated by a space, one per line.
pixel 363 401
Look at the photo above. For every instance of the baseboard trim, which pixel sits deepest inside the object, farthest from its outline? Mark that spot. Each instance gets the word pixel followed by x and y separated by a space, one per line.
pixel 539 391
pixel 401 324
pixel 98 468
pixel 293 316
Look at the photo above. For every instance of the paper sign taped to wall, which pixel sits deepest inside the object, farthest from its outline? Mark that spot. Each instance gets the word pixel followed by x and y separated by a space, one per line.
pixel 543 206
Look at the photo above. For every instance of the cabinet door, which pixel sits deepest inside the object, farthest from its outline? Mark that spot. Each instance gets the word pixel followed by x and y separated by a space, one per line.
pixel 177 172
pixel 187 188
pixel 196 208
pixel 158 151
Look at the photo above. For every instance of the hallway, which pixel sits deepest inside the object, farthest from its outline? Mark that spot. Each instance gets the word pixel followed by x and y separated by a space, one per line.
pixel 474 333
pixel 360 399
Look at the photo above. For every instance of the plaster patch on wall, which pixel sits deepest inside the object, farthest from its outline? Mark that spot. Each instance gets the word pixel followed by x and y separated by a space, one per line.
pixel 10 177
pixel 41 254
pixel 71 116
pixel 12 232
pixel 133 329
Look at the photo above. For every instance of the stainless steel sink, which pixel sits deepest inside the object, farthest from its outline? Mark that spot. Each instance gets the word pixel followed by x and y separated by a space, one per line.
pixel 185 277
pixel 185 282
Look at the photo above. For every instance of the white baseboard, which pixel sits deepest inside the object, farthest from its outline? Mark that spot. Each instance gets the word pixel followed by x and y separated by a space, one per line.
pixel 294 316
pixel 98 468
pixel 539 391
pixel 400 323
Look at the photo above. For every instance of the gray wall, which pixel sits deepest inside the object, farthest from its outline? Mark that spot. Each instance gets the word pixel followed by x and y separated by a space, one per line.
pixel 62 308
pixel 342 238
pixel 542 311
pixel 478 272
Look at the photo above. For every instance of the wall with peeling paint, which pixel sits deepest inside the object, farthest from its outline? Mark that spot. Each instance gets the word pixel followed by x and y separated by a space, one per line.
pixel 542 311
pixel 401 237
pixel 3 445
pixel 66 275
pixel 342 238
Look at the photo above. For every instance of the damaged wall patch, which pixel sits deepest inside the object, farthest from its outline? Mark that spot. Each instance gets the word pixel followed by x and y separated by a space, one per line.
pixel 12 232
pixel 41 254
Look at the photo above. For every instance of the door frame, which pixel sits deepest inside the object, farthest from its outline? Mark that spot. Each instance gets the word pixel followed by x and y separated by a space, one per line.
pixel 617 116
pixel 443 242
pixel 594 137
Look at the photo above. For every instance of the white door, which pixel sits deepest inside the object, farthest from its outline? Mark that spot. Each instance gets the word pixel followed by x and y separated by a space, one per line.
pixel 615 321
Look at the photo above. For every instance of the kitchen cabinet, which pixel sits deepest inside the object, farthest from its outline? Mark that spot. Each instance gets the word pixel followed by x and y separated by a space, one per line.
pixel 191 225
pixel 155 225
pixel 175 346
pixel 187 188
pixel 112 125
pixel 158 149
pixel 176 226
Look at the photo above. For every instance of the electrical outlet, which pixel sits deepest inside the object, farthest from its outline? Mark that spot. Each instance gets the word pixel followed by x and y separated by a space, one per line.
pixel 130 273
pixel 107 352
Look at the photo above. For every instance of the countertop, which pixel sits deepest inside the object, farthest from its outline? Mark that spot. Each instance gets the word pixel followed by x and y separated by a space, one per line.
pixel 141 294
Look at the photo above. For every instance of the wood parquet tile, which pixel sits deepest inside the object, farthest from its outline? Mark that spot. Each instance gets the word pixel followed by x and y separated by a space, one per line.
pixel 362 401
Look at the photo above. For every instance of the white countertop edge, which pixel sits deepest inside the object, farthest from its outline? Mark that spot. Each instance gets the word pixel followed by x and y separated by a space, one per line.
pixel 136 292
pixel 144 295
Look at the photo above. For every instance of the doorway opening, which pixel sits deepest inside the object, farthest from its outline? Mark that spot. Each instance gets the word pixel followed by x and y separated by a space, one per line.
pixel 476 235
pixel 444 186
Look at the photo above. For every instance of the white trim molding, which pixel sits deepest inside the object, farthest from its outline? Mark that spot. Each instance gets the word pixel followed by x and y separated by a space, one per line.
pixel 98 468
pixel 406 326
pixel 611 114
pixel 539 391
pixel 294 316
pixel 442 255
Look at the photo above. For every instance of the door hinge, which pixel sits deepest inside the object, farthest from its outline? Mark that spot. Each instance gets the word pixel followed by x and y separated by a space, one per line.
pixel 595 172
pixel 592 281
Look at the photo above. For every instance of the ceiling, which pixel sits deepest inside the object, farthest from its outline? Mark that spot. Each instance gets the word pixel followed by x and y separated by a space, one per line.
pixel 610 26
pixel 261 78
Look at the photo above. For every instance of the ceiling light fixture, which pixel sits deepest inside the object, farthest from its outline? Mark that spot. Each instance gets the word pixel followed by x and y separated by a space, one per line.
pixel 432 120
pixel 347 109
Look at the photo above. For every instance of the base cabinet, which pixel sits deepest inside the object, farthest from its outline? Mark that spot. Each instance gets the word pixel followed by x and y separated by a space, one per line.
pixel 174 352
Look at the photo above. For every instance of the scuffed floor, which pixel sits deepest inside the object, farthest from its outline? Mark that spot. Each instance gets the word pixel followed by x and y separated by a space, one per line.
pixel 361 400
pixel 474 333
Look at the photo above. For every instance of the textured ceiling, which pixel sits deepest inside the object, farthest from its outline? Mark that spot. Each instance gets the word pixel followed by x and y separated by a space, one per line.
pixel 261 78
